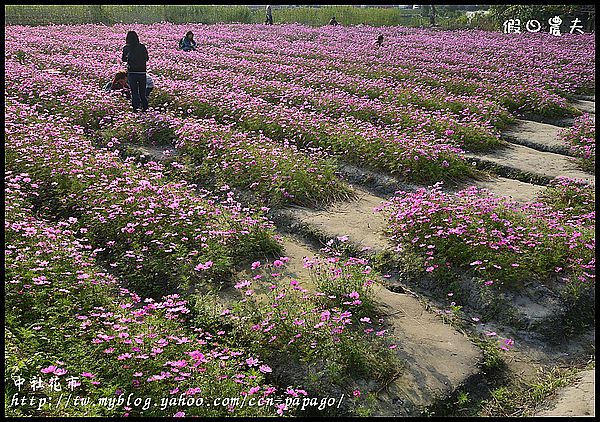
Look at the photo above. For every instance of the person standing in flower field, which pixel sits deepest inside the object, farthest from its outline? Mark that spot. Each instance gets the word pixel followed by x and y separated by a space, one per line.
pixel 136 56
pixel 269 19
pixel 187 43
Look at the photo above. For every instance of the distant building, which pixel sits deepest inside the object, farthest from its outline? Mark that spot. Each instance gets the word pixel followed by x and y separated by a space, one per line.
pixel 470 14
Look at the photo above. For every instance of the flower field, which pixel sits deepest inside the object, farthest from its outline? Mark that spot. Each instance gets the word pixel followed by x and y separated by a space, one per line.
pixel 581 139
pixel 115 266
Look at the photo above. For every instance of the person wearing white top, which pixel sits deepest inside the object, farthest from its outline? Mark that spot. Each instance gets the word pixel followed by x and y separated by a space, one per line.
pixel 149 85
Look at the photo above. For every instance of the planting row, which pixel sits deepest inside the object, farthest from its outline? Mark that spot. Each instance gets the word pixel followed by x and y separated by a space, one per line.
pixel 420 157
pixel 155 233
pixel 581 139
pixel 502 245
pixel 262 103
pixel 72 327
pixel 216 154
pixel 522 72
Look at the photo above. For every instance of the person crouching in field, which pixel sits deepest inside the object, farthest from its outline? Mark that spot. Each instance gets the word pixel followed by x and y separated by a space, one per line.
pixel 379 41
pixel 119 83
pixel 333 21
pixel 136 56
pixel 149 85
pixel 187 43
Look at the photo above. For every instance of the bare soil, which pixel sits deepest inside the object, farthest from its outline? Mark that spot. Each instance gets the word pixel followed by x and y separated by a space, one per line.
pixel 576 400
pixel 540 136
pixel 528 160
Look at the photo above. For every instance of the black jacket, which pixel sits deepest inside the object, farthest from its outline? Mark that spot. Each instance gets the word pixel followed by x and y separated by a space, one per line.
pixel 136 57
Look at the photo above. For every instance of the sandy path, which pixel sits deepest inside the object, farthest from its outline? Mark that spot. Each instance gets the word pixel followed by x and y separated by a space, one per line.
pixel 437 357
pixel 514 189
pixel 355 219
pixel 585 106
pixel 575 400
pixel 529 160
pixel 540 136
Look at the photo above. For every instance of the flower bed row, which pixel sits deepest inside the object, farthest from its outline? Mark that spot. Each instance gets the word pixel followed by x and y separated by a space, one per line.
pixel 495 248
pixel 71 328
pixel 223 72
pixel 277 173
pixel 214 155
pixel 499 241
pixel 418 157
pixel 154 233
pixel 581 139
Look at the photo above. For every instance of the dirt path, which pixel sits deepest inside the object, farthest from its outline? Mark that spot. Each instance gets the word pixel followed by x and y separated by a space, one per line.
pixel 539 136
pixel 437 358
pixel 514 189
pixel 538 163
pixel 586 106
pixel 576 400
pixel 356 219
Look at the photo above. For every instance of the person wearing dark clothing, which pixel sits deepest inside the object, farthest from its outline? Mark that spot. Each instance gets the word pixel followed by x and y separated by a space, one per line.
pixel 119 83
pixel 187 43
pixel 136 56
pixel 333 22
pixel 269 17
pixel 379 41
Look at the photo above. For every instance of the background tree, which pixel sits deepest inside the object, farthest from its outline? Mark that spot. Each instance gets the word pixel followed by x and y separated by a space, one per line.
pixel 501 13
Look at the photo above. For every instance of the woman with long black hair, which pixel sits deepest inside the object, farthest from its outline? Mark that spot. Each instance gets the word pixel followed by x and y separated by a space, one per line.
pixel 136 56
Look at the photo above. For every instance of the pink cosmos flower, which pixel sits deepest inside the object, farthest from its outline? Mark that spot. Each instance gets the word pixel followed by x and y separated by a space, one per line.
pixel 205 266
pixel 60 371
pixel 281 408
pixel 48 370
pixel 265 369
pixel 252 362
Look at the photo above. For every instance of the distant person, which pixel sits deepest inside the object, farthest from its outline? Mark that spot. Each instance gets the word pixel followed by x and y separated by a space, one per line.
pixel 269 17
pixel 119 83
pixel 333 22
pixel 149 85
pixel 187 43
pixel 379 41
pixel 136 56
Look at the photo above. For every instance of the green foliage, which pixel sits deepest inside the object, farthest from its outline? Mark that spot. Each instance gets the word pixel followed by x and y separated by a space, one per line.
pixel 285 321
pixel 521 399
pixel 207 14
pixel 542 13
pixel 492 357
